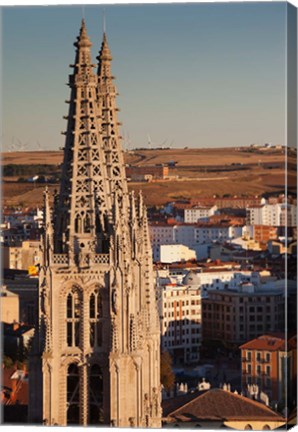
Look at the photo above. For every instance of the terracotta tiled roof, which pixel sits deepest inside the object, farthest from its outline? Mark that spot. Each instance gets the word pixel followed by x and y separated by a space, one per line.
pixel 170 405
pixel 217 404
pixel 265 342
pixel 14 386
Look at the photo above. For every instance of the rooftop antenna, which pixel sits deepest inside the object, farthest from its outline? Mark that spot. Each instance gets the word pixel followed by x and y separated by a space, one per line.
pixel 104 20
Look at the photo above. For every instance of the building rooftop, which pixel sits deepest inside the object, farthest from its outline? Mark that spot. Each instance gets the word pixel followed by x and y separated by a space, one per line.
pixel 238 292
pixel 217 404
pixel 271 342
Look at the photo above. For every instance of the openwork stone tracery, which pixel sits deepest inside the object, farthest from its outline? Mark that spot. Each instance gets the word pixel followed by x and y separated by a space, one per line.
pixel 96 350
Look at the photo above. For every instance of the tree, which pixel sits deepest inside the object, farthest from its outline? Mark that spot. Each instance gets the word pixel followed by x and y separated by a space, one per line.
pixel 167 376
pixel 7 361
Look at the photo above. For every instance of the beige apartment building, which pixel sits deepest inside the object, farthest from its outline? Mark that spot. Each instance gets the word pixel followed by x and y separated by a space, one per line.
pixel 234 317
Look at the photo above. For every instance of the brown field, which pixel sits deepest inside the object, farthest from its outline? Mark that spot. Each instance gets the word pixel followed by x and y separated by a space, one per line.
pixel 184 157
pixel 190 179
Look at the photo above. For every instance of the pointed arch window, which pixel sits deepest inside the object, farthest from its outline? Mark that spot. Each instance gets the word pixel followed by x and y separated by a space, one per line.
pixel 73 312
pixel 73 396
pixel 95 319
pixel 95 395
pixel 87 225
pixel 78 224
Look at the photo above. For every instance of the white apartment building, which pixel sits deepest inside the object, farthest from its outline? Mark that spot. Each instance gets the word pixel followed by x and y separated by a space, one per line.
pixel 272 215
pixel 217 279
pixel 175 253
pixel 180 313
pixel 192 236
pixel 218 233
pixel 163 234
pixel 196 214
pixel 182 293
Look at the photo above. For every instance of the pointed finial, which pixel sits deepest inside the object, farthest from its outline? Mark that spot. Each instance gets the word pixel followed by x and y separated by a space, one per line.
pixel 83 12
pixel 83 39
pixel 105 53
pixel 141 204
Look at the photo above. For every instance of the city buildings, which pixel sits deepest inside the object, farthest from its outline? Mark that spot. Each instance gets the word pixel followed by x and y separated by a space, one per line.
pixel 96 351
pixel 234 317
pixel 19 225
pixel 270 363
pixel 279 214
pixel 21 257
pixel 196 213
pixel 199 236
pixel 175 253
pixel 9 306
pixel 143 173
pixel 180 315
pixel 26 290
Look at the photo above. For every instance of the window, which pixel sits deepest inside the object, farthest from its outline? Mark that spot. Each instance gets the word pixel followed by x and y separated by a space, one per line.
pixel 95 318
pixel 73 318
pixel 73 388
pixel 95 395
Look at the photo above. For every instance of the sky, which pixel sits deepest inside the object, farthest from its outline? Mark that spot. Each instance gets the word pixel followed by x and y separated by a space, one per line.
pixel 189 75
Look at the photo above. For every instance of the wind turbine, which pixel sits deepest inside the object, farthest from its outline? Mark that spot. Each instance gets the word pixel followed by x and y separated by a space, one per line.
pixel 39 146
pixel 22 146
pixel 126 141
pixel 155 144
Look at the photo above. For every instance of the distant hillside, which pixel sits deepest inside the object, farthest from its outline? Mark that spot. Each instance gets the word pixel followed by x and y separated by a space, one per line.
pixel 194 173
pixel 183 157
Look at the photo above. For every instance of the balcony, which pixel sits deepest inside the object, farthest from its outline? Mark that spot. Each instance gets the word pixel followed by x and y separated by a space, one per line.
pixel 60 259
pixel 82 260
pixel 101 259
pixel 264 361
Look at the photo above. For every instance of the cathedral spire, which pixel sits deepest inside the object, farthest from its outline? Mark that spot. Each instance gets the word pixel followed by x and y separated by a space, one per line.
pixel 105 53
pixel 85 201
pixel 97 343
pixel 107 93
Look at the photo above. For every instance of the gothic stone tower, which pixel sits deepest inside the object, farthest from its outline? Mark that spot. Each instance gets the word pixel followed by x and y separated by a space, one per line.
pixel 96 351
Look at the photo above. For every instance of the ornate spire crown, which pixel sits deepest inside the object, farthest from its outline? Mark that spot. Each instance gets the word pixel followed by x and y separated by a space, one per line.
pixel 85 199
pixel 83 39
pixel 105 53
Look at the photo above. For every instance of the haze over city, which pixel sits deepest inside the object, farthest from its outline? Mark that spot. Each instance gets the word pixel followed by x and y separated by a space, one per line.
pixel 197 75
